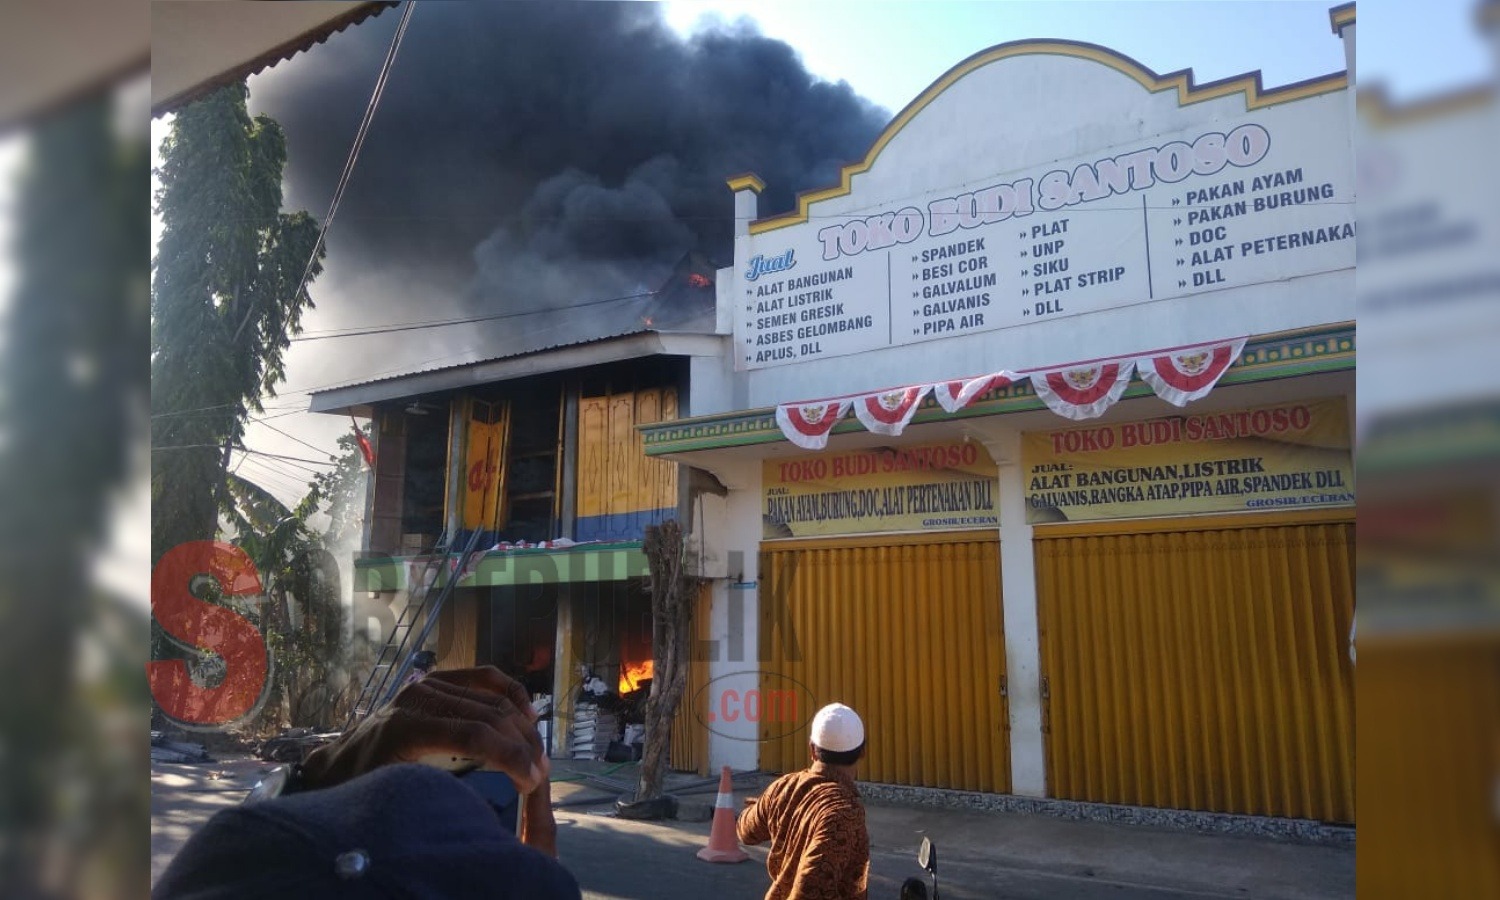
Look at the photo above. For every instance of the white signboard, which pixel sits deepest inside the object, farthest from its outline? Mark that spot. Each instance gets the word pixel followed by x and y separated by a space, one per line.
pixel 1222 206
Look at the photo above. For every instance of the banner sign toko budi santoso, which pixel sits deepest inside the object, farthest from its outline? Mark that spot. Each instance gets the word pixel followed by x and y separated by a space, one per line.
pixel 1264 197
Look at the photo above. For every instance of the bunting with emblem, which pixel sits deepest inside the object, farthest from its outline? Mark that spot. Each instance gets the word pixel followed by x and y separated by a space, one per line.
pixel 1186 374
pixel 808 423
pixel 888 412
pixel 1083 391
pixel 1077 391
pixel 953 396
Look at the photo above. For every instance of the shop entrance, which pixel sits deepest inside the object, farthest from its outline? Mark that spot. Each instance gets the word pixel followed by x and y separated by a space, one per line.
pixel 607 674
pixel 517 631
pixel 1201 663
pixel 907 630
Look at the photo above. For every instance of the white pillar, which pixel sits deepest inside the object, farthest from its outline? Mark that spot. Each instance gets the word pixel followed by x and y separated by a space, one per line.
pixel 1342 18
pixel 733 291
pixel 747 188
pixel 1345 31
pixel 734 661
pixel 1023 662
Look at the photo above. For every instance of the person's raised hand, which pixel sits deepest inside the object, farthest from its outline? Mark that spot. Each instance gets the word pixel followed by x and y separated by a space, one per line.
pixel 538 827
pixel 478 713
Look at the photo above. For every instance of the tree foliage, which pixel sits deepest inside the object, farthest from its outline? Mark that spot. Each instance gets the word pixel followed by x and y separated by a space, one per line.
pixel 225 301
pixel 302 614
pixel 341 492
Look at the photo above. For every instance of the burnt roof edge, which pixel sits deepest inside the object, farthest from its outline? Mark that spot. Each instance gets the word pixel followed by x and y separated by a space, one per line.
pixel 356 398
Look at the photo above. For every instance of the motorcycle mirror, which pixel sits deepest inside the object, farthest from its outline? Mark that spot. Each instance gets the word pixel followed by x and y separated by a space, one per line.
pixel 927 855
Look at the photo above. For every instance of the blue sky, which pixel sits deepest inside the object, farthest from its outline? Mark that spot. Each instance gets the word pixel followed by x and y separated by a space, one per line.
pixel 890 50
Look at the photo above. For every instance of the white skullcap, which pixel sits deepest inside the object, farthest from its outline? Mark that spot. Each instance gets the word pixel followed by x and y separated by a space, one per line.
pixel 838 728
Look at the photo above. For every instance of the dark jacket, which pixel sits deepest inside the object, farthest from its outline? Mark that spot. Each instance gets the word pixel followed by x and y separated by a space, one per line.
pixel 401 831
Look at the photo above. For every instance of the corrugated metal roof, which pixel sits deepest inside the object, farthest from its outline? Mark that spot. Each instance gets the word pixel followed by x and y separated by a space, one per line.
pixel 201 47
pixel 488 359
pixel 667 311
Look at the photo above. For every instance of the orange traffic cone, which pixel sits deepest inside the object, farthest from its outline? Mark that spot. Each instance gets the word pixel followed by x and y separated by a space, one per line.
pixel 723 844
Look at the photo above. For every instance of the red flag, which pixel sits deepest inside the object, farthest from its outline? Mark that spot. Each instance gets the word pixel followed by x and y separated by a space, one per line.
pixel 365 449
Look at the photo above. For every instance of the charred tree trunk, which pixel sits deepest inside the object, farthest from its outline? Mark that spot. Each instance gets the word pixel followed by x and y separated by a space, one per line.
pixel 673 595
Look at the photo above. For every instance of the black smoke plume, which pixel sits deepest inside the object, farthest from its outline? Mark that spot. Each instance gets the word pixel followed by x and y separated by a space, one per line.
pixel 531 155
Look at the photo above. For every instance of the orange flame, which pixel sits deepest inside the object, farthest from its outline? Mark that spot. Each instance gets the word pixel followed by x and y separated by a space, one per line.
pixel 632 674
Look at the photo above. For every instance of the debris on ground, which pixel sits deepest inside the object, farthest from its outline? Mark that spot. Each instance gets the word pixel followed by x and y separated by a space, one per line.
pixel 663 807
pixel 164 750
pixel 293 745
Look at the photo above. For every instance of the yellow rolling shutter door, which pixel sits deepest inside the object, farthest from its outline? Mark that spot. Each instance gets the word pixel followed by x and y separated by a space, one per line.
pixel 1201 664
pixel 1428 756
pixel 907 630
pixel 689 736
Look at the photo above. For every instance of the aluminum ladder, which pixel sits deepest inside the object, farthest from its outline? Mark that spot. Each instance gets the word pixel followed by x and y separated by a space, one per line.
pixel 393 662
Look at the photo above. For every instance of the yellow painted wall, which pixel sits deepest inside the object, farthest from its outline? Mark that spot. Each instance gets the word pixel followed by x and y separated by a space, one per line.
pixel 615 477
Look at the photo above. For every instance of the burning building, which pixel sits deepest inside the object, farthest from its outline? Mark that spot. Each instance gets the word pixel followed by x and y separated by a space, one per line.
pixel 533 458
pixel 954 505
pixel 1030 571
pixel 575 209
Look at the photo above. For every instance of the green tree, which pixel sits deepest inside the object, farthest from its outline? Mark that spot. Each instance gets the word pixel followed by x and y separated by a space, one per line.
pixel 227 294
pixel 302 614
pixel 341 492
pixel 301 611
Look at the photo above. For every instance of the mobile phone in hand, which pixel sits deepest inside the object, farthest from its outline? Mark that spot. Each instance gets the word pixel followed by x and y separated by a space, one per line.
pixel 496 788
pixel 500 793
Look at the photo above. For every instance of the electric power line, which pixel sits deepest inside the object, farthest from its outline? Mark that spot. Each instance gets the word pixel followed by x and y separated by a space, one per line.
pixel 299 459
pixel 417 326
pixel 303 472
pixel 259 464
pixel 279 410
pixel 277 480
pixel 298 406
pixel 213 410
pixel 297 439
pixel 354 148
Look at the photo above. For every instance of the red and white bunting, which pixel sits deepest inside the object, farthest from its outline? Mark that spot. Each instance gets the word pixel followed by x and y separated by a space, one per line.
pixel 953 396
pixel 888 412
pixel 1184 375
pixel 807 424
pixel 1078 391
pixel 1083 391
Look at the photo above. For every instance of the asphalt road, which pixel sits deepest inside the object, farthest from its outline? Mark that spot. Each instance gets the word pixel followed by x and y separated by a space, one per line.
pixel 982 855
pixel 618 860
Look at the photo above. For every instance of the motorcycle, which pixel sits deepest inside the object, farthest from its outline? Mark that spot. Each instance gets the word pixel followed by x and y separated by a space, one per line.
pixel 914 888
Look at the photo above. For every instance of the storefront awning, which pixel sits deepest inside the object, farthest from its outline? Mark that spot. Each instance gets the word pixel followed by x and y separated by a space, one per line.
pixel 574 565
pixel 1288 354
